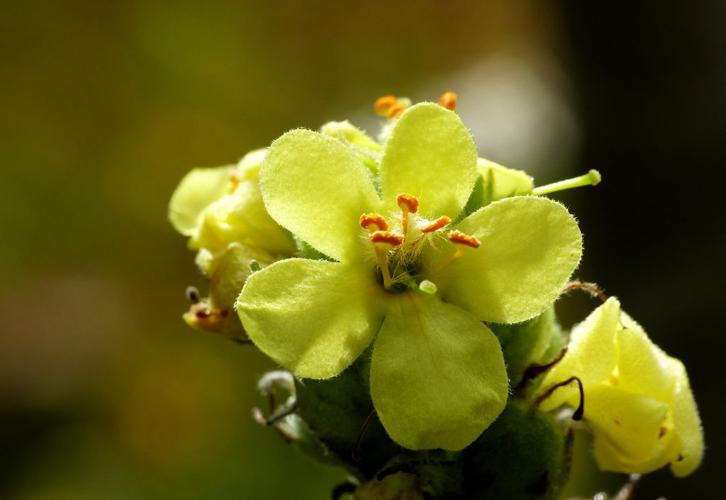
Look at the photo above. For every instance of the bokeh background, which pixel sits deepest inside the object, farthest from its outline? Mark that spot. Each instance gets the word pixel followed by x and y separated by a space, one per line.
pixel 105 393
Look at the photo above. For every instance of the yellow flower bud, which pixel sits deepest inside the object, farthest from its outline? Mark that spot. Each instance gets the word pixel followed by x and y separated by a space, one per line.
pixel 638 402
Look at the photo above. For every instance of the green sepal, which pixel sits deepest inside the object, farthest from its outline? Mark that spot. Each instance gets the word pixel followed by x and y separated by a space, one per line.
pixel 336 410
pixel 525 454
pixel 525 343
pixel 398 486
pixel 439 472
pixel 295 430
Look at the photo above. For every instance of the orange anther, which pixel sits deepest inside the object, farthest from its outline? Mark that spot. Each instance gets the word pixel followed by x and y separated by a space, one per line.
pixel 234 181
pixel 407 203
pixel 396 110
pixel 383 104
pixel 203 317
pixel 448 100
pixel 386 238
pixel 460 238
pixel 435 225
pixel 373 222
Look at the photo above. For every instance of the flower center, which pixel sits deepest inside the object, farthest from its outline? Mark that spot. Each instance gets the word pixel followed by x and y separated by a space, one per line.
pixel 397 247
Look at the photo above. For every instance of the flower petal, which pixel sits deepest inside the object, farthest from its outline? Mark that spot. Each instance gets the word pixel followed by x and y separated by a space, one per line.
pixel 687 423
pixel 316 187
pixel 313 317
pixel 430 155
pixel 196 191
pixel 241 217
pixel 631 430
pixel 529 248
pixel 640 368
pixel 591 356
pixel 437 374
pixel 503 182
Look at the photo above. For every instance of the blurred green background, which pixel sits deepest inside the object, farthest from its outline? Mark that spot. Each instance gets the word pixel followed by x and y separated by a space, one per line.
pixel 104 391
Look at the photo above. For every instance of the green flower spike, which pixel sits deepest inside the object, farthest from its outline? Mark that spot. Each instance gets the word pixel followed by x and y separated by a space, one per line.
pixel 638 401
pixel 400 273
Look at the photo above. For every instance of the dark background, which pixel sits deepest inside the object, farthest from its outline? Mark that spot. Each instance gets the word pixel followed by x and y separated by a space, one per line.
pixel 105 393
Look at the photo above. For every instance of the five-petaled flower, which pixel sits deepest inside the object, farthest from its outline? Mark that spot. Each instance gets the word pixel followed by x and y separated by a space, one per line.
pixel 406 270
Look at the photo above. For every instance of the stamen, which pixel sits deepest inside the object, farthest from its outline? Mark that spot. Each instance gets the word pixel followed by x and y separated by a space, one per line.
pixel 386 238
pixel 459 238
pixel 383 104
pixel 373 222
pixel 234 181
pixel 408 205
pixel 436 224
pixel 382 242
pixel 203 317
pixel 592 178
pixel 396 110
pixel 448 100
pixel 407 202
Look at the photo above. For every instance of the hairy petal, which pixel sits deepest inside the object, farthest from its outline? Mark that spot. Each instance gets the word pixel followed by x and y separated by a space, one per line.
pixel 502 182
pixel 313 317
pixel 687 423
pixel 529 248
pixel 640 369
pixel 437 374
pixel 196 191
pixel 317 188
pixel 631 430
pixel 591 356
pixel 430 155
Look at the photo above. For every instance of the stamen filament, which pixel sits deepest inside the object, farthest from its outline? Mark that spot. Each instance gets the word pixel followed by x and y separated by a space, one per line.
pixel 382 260
pixel 592 178
pixel 382 241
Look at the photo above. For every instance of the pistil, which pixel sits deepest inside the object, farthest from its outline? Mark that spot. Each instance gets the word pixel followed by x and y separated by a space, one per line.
pixel 592 178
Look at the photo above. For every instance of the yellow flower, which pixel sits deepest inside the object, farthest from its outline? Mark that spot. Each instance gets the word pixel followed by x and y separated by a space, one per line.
pixel 638 401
